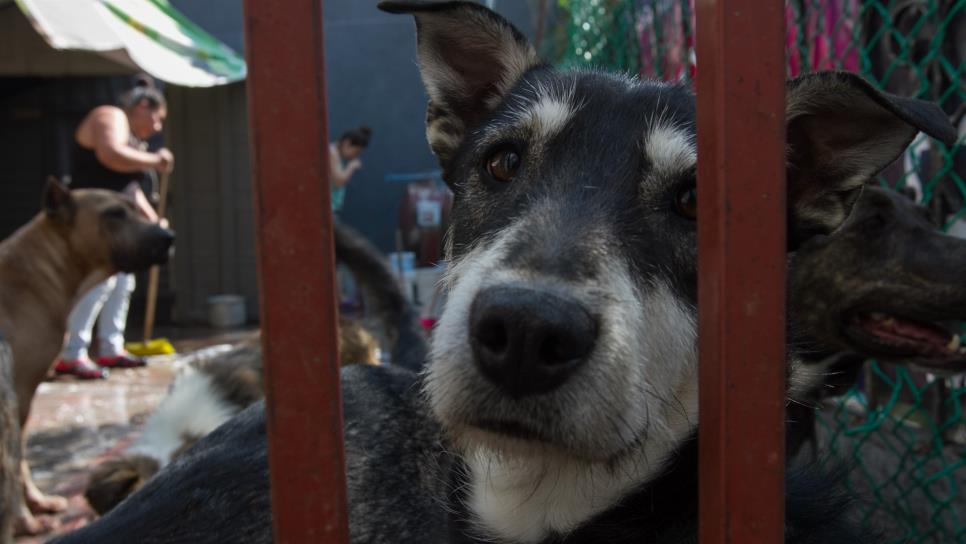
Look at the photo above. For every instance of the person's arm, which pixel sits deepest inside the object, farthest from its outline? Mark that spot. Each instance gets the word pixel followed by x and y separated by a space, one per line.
pixel 141 201
pixel 340 176
pixel 110 133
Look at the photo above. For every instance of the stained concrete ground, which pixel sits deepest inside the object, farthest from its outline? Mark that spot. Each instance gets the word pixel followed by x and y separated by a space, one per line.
pixel 74 425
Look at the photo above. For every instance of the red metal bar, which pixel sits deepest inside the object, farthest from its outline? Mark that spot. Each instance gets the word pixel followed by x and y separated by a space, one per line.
pixel 288 130
pixel 741 239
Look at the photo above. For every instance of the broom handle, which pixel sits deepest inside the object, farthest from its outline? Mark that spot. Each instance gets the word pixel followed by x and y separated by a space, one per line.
pixel 154 274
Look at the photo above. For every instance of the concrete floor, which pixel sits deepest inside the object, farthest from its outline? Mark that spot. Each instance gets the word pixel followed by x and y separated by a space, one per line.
pixel 74 425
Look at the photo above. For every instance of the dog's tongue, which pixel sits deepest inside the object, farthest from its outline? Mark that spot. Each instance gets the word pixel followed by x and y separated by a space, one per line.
pixel 929 339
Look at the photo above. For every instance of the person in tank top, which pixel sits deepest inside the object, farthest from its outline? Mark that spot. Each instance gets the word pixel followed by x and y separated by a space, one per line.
pixel 344 161
pixel 109 153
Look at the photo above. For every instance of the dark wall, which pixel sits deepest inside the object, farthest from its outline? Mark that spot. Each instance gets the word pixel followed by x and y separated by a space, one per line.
pixel 38 117
pixel 221 18
pixel 211 199
pixel 372 79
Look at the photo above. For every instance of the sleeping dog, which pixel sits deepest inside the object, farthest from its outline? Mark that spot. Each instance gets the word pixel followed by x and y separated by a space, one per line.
pixel 559 402
pixel 213 389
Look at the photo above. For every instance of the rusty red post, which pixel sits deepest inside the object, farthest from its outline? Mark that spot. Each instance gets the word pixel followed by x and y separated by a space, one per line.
pixel 742 245
pixel 288 131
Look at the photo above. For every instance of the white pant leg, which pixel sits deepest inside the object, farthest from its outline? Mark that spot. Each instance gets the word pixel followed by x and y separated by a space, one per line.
pixel 113 319
pixel 81 319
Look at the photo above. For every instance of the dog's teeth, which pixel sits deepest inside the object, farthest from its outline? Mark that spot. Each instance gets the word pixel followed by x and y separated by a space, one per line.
pixel 877 316
pixel 889 322
pixel 954 343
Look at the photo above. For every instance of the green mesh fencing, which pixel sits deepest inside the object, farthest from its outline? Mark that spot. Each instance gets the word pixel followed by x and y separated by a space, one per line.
pixel 902 431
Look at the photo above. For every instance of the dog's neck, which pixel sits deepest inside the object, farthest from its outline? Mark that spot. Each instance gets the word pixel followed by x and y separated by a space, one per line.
pixel 43 277
pixel 529 500
pixel 662 507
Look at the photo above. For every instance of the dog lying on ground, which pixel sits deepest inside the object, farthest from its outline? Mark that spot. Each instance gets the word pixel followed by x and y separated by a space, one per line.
pixel 559 404
pixel 80 239
pixel 213 390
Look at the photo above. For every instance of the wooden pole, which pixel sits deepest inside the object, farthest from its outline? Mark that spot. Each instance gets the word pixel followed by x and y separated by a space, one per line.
pixel 154 274
pixel 288 130
pixel 742 245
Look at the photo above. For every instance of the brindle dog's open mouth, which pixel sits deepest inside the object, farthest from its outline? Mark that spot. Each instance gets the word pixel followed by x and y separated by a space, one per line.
pixel 898 336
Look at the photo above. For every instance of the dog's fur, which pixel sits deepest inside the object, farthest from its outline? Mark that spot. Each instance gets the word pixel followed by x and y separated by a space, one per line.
pixel 212 390
pixel 572 253
pixel 882 286
pixel 80 239
pixel 385 299
pixel 9 446
pixel 888 261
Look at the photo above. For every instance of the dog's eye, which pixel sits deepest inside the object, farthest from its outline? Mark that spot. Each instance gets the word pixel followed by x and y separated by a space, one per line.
pixel 503 164
pixel 115 212
pixel 686 203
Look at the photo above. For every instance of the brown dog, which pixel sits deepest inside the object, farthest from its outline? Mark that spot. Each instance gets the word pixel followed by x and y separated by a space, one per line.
pixel 81 238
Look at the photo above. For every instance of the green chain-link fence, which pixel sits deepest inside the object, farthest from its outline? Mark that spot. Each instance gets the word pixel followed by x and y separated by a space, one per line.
pixel 903 431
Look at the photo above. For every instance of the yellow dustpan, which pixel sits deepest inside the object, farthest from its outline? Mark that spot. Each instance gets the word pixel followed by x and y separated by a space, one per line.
pixel 156 346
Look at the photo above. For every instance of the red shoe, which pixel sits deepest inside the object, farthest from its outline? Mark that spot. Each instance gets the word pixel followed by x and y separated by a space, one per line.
pixel 121 361
pixel 84 369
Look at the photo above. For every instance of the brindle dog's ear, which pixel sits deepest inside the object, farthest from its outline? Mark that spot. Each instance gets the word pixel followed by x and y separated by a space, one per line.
pixel 469 57
pixel 58 202
pixel 841 132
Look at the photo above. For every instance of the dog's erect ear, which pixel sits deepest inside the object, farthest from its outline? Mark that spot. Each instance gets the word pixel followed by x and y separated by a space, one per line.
pixel 58 202
pixel 468 57
pixel 841 132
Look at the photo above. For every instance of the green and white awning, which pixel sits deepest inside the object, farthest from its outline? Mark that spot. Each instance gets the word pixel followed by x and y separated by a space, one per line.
pixel 148 35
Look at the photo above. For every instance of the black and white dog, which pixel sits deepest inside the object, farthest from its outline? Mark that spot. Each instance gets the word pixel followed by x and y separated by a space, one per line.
pixel 559 404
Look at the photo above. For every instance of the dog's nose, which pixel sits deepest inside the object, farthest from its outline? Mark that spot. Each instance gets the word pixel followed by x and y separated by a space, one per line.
pixel 529 342
pixel 167 237
pixel 161 245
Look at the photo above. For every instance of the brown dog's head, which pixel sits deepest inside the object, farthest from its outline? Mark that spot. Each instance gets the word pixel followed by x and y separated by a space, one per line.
pixel 883 285
pixel 114 480
pixel 356 344
pixel 105 228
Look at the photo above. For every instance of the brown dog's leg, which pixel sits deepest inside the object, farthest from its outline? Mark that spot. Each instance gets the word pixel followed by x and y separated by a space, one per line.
pixel 36 500
pixel 29 525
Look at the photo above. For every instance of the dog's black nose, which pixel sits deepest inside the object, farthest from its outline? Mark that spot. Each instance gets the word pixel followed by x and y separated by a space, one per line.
pixel 529 342
pixel 167 237
pixel 161 244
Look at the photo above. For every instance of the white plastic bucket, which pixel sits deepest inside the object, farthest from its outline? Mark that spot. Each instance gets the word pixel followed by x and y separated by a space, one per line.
pixel 225 311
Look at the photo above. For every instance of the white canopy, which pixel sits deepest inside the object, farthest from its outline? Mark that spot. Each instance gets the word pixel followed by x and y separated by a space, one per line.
pixel 149 35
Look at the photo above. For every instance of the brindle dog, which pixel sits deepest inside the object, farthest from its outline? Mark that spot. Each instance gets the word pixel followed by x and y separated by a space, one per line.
pixel 885 285
pixel 81 238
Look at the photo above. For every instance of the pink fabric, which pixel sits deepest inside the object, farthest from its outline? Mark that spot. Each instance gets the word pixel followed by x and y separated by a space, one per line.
pixel 827 28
